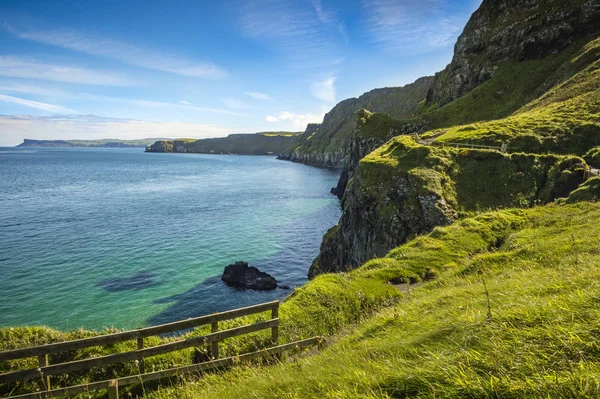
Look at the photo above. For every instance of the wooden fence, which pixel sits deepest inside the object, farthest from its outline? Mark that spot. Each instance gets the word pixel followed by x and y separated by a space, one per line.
pixel 45 369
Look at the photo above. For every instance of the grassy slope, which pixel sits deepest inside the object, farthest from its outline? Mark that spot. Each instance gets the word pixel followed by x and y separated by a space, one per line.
pixel 540 267
pixel 566 119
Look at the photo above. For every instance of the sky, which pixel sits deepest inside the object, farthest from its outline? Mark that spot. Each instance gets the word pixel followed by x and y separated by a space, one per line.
pixel 138 69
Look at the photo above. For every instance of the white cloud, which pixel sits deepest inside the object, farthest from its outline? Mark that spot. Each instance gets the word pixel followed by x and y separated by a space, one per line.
pixel 34 104
pixel 15 128
pixel 27 67
pixel 233 103
pixel 413 27
pixel 324 89
pixel 298 121
pixel 121 51
pixel 258 96
pixel 184 102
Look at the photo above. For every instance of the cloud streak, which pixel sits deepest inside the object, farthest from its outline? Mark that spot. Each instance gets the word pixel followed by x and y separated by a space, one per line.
pixel 412 27
pixel 34 104
pixel 299 31
pixel 258 96
pixel 123 52
pixel 50 92
pixel 29 68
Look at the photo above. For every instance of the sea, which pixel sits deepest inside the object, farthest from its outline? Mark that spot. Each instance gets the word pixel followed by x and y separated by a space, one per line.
pixel 95 238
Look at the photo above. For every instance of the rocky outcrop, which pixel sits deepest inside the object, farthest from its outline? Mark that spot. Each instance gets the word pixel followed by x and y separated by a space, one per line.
pixel 327 144
pixel 511 30
pixel 365 140
pixel 241 275
pixel 404 189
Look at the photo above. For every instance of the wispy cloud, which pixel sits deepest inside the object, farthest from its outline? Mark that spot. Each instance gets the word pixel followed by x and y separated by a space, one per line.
pixel 64 127
pixel 258 96
pixel 299 121
pixel 51 92
pixel 324 89
pixel 413 26
pixel 121 51
pixel 298 30
pixel 34 104
pixel 233 103
pixel 29 68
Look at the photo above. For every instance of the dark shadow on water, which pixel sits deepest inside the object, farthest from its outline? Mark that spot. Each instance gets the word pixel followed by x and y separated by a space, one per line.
pixel 211 296
pixel 138 281
pixel 301 240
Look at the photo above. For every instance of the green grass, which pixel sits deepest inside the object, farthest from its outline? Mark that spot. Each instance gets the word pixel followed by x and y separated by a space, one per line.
pixel 564 120
pixel 468 180
pixel 541 270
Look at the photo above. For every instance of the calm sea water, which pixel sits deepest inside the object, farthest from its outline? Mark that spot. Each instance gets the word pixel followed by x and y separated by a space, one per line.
pixel 98 237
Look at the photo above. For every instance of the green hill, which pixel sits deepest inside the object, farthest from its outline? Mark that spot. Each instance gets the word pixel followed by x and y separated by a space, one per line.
pixel 264 143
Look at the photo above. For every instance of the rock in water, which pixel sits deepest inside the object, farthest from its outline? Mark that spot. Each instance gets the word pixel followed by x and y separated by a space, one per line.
pixel 241 275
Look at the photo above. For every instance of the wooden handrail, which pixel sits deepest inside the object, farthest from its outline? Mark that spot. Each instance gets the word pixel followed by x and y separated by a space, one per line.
pixel 195 368
pixel 134 334
pixel 86 364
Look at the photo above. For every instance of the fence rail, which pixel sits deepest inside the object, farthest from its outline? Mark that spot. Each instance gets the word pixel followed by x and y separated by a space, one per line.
pixel 45 369
pixel 113 385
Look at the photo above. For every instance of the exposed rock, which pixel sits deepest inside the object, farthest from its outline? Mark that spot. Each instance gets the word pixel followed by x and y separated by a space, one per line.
pixel 241 275
pixel 511 30
pixel 404 189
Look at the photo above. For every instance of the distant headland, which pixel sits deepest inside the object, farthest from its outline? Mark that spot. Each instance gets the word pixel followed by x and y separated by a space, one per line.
pixel 102 143
pixel 263 143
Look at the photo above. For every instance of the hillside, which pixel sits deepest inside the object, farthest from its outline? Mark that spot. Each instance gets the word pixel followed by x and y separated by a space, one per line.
pixel 499 305
pixel 103 143
pixel 325 144
pixel 264 143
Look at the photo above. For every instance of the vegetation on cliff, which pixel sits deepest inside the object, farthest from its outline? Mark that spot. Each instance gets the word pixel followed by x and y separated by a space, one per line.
pixel 264 143
pixel 325 144
pixel 507 310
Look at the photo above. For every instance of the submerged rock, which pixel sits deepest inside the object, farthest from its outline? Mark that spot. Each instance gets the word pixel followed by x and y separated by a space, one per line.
pixel 241 275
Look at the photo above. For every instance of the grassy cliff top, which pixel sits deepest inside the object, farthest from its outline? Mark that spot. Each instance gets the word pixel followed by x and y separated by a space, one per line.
pixel 536 337
pixel 565 119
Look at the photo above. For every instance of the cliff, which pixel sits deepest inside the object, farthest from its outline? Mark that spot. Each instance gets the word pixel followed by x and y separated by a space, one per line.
pixel 404 189
pixel 103 143
pixel 537 102
pixel 327 144
pixel 265 143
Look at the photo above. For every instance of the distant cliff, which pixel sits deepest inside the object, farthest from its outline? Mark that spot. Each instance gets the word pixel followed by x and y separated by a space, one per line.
pixel 326 144
pixel 264 143
pixel 102 143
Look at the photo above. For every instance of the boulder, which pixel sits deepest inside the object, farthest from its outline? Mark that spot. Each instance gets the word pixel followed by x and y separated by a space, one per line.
pixel 241 275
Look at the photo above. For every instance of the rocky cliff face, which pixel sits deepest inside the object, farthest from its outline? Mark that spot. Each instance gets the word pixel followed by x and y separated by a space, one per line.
pixel 511 30
pixel 404 189
pixel 327 144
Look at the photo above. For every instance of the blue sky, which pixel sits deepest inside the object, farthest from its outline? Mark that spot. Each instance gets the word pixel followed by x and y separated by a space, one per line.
pixel 134 69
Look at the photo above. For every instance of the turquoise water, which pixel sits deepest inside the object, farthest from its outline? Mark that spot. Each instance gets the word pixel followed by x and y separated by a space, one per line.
pixel 97 237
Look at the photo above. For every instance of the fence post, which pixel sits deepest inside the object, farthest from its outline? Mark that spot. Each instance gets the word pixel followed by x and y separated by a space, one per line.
pixel 140 345
pixel 275 330
pixel 214 327
pixel 45 383
pixel 113 389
